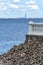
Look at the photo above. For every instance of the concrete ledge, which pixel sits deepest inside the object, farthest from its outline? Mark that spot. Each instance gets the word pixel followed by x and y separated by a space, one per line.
pixel 34 38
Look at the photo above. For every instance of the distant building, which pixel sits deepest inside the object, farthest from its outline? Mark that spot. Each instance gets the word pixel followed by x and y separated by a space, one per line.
pixel 35 28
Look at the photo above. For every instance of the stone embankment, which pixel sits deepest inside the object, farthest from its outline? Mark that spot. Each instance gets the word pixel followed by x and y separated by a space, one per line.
pixel 28 53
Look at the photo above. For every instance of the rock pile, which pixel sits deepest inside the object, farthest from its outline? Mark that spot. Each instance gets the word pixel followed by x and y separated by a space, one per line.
pixel 28 53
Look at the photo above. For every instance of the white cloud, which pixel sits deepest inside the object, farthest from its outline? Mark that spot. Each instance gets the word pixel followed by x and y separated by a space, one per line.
pixel 3 8
pixel 35 7
pixel 16 0
pixel 5 5
pixel 11 5
pixel 26 7
pixel 30 2
pixel 2 3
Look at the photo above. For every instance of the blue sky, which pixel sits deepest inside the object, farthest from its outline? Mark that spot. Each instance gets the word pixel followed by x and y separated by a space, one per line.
pixel 17 8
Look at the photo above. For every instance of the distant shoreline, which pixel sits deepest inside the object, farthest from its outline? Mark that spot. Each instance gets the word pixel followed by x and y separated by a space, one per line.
pixel 21 18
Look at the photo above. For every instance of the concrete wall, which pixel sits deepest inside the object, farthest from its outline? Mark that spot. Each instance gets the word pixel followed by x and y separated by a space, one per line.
pixel 35 29
pixel 33 38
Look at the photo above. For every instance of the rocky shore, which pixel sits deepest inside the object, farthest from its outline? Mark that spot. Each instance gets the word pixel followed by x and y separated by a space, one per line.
pixel 28 53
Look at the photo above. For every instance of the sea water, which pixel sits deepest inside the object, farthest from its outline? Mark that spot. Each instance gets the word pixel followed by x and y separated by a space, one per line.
pixel 12 32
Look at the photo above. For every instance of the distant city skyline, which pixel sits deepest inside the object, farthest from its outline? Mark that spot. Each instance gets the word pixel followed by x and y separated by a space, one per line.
pixel 21 8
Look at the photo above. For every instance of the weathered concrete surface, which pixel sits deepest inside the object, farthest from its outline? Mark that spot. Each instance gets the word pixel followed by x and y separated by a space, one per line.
pixel 28 53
